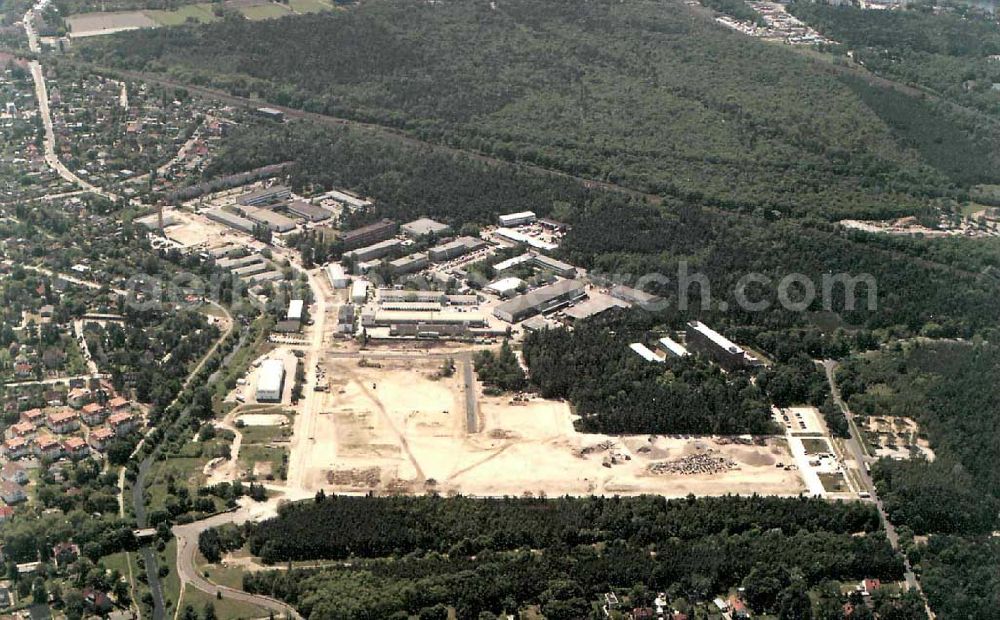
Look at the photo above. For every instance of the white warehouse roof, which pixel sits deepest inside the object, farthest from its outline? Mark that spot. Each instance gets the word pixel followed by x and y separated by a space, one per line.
pixel 505 285
pixel 270 377
pixel 716 337
pixel 671 345
pixel 295 310
pixel 644 352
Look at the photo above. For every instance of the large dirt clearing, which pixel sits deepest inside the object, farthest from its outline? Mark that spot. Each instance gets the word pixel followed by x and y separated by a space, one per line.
pixel 394 426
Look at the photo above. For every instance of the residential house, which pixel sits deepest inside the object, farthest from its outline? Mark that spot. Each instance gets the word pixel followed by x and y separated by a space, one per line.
pixel 869 586
pixel 93 414
pixel 64 421
pixel 78 397
pixel 65 553
pixel 119 405
pixel 22 429
pixel 75 448
pixel 97 602
pixel 14 472
pixel 6 513
pixel 123 423
pixel 34 416
pixel 12 493
pixel 23 369
pixel 100 438
pixel 48 447
pixel 16 447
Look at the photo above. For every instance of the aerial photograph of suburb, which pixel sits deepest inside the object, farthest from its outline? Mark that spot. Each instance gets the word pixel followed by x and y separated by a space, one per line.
pixel 500 309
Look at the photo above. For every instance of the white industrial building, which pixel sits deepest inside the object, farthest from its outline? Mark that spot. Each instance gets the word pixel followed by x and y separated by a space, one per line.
pixel 672 347
pixel 645 352
pixel 453 249
pixel 275 222
pixel 231 220
pixel 295 307
pixel 505 287
pixel 423 227
pixel 270 381
pixel 376 250
pixel 516 219
pixel 337 275
pixel 514 236
pixel 540 300
pixel 359 291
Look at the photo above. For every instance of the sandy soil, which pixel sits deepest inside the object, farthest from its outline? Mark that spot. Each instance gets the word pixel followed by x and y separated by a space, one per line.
pixel 263 419
pixel 401 428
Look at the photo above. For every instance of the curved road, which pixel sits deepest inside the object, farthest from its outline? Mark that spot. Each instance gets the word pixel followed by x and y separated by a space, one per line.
pixel 187 544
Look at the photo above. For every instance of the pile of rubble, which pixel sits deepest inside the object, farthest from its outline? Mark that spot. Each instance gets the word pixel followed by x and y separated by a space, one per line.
pixel 694 464
pixel 603 446
pixel 360 478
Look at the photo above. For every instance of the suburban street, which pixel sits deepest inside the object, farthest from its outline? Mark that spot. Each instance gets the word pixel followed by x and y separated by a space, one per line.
pixel 855 445
pixel 42 94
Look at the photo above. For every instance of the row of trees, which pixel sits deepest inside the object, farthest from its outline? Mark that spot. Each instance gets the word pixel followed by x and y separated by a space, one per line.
pixel 562 554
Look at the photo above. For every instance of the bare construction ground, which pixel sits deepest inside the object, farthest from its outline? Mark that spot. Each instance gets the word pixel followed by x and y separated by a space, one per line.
pixel 394 425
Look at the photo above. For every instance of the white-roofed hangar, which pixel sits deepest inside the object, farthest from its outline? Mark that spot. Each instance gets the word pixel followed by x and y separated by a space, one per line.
pixel 270 381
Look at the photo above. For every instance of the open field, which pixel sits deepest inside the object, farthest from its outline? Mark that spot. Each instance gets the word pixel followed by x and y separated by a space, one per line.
pixel 265 11
pixel 93 24
pixel 392 426
pixel 309 6
pixel 197 12
pixel 225 609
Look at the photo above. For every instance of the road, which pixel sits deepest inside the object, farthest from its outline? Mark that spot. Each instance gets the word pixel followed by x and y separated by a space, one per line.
pixel 856 447
pixel 471 423
pixel 187 544
pixel 78 331
pixel 42 94
pixel 304 432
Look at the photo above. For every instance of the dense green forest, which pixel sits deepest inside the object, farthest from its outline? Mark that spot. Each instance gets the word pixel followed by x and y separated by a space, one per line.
pixel 959 575
pixel 616 391
pixel 607 90
pixel 563 553
pixel 959 144
pixel 951 390
pixel 635 239
pixel 947 52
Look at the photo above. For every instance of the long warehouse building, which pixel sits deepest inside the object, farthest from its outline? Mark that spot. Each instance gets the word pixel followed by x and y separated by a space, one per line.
pixel 231 220
pixel 540 300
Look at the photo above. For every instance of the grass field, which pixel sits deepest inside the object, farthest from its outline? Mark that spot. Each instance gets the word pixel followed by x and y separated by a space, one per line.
pixel 171 583
pixel 834 483
pixel 198 12
pixel 251 454
pixel 225 609
pixel 264 434
pixel 309 6
pixel 815 446
pixel 264 11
